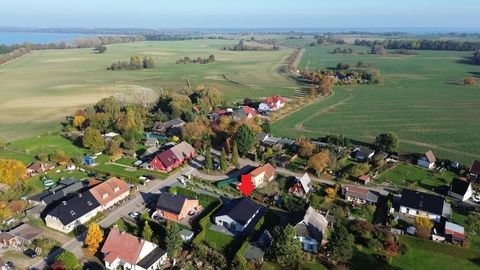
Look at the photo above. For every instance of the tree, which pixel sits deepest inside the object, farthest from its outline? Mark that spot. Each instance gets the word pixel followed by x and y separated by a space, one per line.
pixel 93 140
pixel 319 162
pixel 59 156
pixel 43 157
pixel 341 243
pixel 469 81
pixel 113 147
pixel 100 49
pixel 267 127
pixel 245 139
pixel 235 155
pixel 78 121
pixel 57 265
pixel 11 171
pixel 195 130
pixel 208 159
pixel 147 232
pixel 285 249
pixel 473 222
pixel 316 200
pixel 306 148
pixel 331 193
pixel 173 240
pixel 326 85
pixel 358 170
pixel 94 238
pixel 424 222
pixel 223 161
pixel 387 142
pixel 69 260
pixel 377 49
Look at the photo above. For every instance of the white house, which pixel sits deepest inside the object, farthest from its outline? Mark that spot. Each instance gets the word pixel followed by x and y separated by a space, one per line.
pixel 427 160
pixel 416 203
pixel 126 251
pixel 272 103
pixel 311 230
pixel 460 189
pixel 237 214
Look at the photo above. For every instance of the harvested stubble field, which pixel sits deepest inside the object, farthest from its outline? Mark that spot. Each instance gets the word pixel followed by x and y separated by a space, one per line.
pixel 40 89
pixel 423 100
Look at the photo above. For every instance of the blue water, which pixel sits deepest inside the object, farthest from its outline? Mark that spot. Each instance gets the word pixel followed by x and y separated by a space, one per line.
pixel 21 37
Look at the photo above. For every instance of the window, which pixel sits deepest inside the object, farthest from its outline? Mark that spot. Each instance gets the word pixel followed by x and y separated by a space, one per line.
pixel 89 203
pixel 72 212
pixel 105 195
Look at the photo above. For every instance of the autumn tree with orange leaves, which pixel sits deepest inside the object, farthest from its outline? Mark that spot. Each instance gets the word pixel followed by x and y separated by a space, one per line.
pixel 11 171
pixel 94 238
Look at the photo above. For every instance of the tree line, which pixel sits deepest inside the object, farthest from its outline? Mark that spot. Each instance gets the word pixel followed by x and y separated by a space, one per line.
pixel 199 60
pixel 360 73
pixel 242 47
pixel 425 44
pixel 136 63
pixel 339 50
pixel 476 56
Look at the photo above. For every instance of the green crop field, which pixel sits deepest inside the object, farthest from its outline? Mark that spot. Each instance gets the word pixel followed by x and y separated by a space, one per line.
pixel 423 100
pixel 40 89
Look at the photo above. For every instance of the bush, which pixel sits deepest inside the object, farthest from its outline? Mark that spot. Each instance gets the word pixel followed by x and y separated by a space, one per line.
pixel 469 81
pixel 375 245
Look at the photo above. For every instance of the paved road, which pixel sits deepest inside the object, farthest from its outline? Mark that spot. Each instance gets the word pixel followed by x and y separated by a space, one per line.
pixel 144 193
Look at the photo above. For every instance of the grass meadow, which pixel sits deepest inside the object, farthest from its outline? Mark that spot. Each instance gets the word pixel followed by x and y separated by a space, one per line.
pixel 423 100
pixel 40 89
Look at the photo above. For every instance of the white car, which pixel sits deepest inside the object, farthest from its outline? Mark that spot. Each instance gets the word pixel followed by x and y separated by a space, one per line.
pixel 476 198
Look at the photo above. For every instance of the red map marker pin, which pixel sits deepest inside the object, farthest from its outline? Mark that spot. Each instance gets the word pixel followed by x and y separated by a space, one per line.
pixel 246 186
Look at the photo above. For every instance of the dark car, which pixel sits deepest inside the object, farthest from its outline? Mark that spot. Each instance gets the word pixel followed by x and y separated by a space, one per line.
pixel 150 177
pixel 30 253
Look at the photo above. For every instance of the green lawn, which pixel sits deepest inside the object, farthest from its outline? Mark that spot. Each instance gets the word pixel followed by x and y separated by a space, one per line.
pixel 25 158
pixel 307 266
pixel 426 254
pixel 51 84
pixel 218 240
pixel 47 144
pixel 37 184
pixel 125 161
pixel 422 100
pixel 404 173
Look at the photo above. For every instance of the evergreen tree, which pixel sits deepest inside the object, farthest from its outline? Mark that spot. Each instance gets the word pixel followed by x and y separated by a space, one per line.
pixel 341 243
pixel 147 231
pixel 266 127
pixel 208 160
pixel 285 249
pixel 173 240
pixel 245 139
pixel 235 155
pixel 223 160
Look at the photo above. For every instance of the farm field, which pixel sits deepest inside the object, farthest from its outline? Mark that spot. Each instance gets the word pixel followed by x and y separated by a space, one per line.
pixel 40 89
pixel 423 100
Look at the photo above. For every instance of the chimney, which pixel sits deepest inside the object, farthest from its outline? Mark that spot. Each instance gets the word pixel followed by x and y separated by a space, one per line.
pixel 80 195
pixel 64 202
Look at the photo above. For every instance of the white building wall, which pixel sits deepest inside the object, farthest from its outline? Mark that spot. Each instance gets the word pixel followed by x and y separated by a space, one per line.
pixel 114 201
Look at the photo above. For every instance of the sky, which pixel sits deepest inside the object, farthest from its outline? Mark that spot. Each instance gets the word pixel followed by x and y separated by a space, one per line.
pixel 459 14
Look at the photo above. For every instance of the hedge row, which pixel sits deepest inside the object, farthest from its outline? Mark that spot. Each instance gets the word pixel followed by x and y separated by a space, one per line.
pixel 129 179
pixel 205 221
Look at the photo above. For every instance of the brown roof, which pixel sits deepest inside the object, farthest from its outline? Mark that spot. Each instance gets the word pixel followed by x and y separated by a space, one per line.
pixel 356 190
pixel 268 169
pixel 26 231
pixel 475 167
pixel 122 245
pixel 5 236
pixel 364 178
pixel 430 156
pixel 109 190
pixel 37 166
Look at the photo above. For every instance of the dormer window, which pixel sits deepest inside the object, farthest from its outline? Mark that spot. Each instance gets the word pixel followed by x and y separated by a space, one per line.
pixel 116 189
pixel 72 212
pixel 105 195
pixel 89 203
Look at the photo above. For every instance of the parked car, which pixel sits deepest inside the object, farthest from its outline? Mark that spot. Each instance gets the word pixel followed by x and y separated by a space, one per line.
pixel 181 180
pixel 476 198
pixel 30 253
pixel 134 215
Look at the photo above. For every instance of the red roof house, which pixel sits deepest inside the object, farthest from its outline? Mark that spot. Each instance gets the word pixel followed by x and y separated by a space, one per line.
pixel 172 158
pixel 272 103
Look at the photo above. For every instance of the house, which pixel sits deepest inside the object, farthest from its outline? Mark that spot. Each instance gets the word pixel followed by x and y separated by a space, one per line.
pixel 110 192
pixel 363 154
pixel 360 195
pixel 302 186
pixel 170 128
pixel 256 249
pixel 272 103
pixel 262 174
pixel 65 188
pixel 237 214
pixel 122 250
pixel 427 160
pixel 7 239
pixel 460 189
pixel 261 137
pixel 175 207
pixel 311 230
pixel 418 203
pixel 150 142
pixel 186 235
pixel 73 212
pixel 172 158
pixel 149 152
pixel 26 233
pixel 244 112
pixel 364 179
pixel 475 170
pixel 38 167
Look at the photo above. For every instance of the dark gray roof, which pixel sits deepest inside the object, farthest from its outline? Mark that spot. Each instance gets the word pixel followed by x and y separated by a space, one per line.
pixel 75 207
pixel 59 192
pixel 459 186
pixel 170 203
pixel 240 210
pixel 422 201
pixel 68 181
pixel 151 258
pixel 363 152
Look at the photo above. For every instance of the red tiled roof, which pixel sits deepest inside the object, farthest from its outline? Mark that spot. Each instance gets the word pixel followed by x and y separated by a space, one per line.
pixel 109 190
pixel 268 169
pixel 122 245
pixel 167 158
pixel 357 190
pixel 430 156
pixel 249 110
pixel 272 101
pixel 364 178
